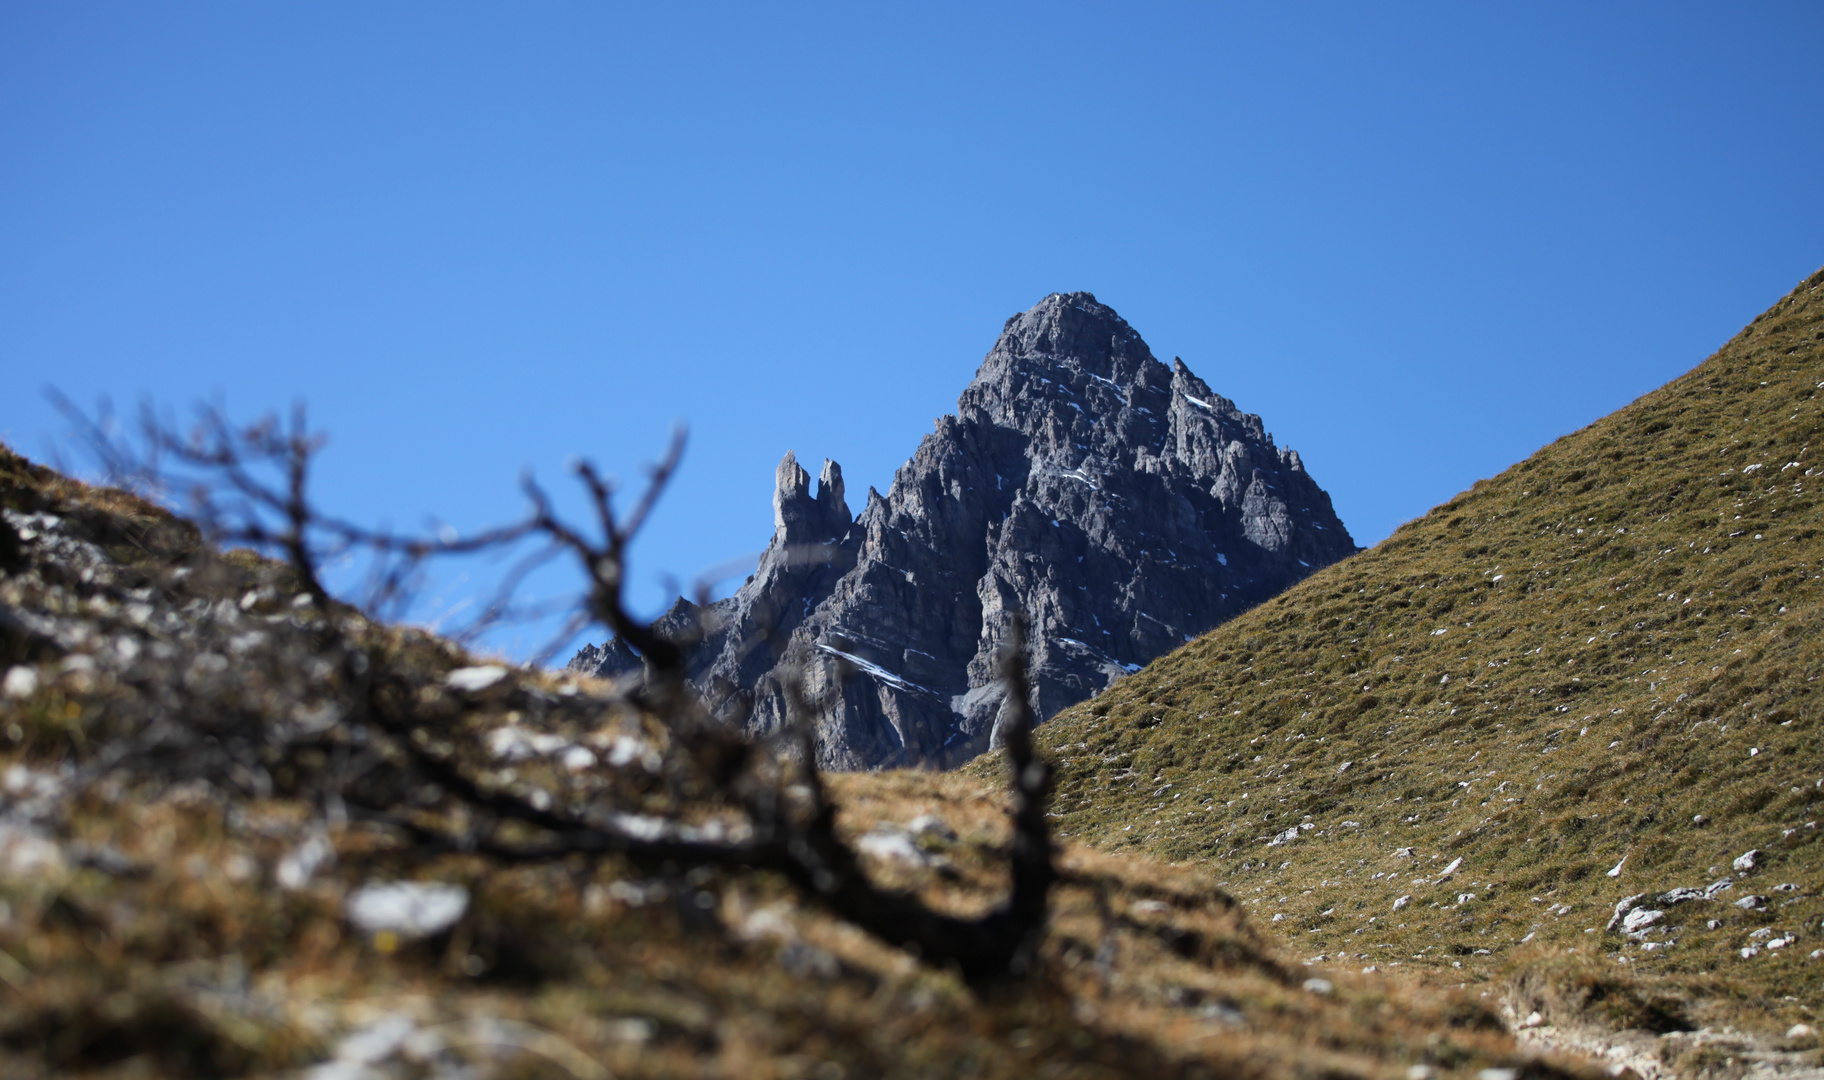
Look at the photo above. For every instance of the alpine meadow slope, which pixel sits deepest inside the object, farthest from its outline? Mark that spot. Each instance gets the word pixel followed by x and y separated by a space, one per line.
pixel 220 857
pixel 1582 684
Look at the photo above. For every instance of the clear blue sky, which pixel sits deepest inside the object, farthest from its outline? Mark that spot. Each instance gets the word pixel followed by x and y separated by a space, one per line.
pixel 1421 241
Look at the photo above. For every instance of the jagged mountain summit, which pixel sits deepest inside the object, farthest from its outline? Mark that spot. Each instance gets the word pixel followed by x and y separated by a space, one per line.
pixel 1121 505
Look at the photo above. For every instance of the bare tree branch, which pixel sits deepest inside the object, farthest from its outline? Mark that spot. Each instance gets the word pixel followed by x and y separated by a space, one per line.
pixel 794 837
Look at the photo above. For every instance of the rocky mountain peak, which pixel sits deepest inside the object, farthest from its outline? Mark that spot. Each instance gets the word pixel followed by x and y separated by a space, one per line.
pixel 1120 504
pixel 798 516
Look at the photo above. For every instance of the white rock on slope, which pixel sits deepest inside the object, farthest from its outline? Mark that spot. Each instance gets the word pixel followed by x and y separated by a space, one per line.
pixel 472 679
pixel 409 909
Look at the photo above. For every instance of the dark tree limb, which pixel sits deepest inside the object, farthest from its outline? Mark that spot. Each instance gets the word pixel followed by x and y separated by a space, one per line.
pixel 237 505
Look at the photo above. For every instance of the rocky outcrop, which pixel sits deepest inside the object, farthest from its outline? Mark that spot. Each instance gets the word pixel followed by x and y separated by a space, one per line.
pixel 1120 504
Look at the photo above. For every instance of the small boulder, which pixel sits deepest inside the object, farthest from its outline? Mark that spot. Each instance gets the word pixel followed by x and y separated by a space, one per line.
pixel 893 845
pixel 20 682
pixel 409 909
pixel 933 826
pixel 1639 919
pixel 473 679
pixel 1622 907
pixel 300 864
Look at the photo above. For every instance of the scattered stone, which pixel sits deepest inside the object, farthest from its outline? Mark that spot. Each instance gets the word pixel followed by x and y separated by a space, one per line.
pixel 35 790
pixel 768 923
pixel 300 864
pixel 20 682
pixel 1800 1031
pixel 1746 861
pixel 1319 986
pixel 931 825
pixel 474 679
pixel 1749 903
pixel 409 909
pixel 1622 907
pixel 802 959
pixel 378 1041
pixel 514 743
pixel 1401 902
pixel 625 749
pixel 27 853
pixel 886 842
pixel 1639 919
pixel 1615 871
pixel 1533 1020
pixel 1451 869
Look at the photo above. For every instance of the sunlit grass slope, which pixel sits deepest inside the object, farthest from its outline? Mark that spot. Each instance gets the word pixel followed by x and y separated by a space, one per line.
pixel 1609 652
pixel 157 924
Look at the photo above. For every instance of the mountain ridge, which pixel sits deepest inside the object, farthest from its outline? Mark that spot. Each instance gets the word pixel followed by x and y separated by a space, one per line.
pixel 1118 503
pixel 1586 681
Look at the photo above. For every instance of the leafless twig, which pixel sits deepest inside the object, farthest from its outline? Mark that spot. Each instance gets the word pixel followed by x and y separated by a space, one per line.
pixel 797 839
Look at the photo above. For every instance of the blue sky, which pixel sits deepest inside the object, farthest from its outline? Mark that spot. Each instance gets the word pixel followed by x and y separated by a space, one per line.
pixel 1420 240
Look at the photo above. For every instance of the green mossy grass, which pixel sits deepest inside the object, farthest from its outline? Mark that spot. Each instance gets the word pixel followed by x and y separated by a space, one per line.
pixel 1608 652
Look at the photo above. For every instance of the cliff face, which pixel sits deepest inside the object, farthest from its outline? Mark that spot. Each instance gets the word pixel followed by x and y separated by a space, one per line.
pixel 1119 504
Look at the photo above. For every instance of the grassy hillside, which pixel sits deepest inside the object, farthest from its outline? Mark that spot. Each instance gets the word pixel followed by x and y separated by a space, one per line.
pixel 1606 656
pixel 163 913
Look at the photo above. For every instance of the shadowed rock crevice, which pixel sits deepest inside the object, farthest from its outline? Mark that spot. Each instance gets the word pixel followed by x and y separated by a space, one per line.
pixel 1119 503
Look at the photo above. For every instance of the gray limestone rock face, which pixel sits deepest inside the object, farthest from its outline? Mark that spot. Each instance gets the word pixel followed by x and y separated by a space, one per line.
pixel 1119 504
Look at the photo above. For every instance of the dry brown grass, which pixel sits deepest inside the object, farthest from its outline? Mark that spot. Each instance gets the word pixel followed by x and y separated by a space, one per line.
pixel 143 931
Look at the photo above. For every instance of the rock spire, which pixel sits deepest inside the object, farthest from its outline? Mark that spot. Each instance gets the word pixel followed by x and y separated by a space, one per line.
pixel 1120 504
